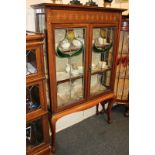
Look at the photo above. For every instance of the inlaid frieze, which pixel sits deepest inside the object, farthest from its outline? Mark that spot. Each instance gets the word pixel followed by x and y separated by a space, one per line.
pixel 61 16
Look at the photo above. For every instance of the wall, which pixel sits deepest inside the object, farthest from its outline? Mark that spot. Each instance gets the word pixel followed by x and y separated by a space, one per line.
pixel 30 25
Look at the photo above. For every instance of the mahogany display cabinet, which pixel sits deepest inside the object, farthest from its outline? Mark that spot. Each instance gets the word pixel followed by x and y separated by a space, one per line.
pixel 82 44
pixel 37 130
pixel 122 71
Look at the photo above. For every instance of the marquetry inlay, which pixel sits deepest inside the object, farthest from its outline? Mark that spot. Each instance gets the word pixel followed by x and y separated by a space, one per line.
pixel 61 16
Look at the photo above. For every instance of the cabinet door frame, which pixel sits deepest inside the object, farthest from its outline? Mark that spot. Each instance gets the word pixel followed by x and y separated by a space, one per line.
pixel 52 62
pixel 45 143
pixel 39 61
pixel 114 57
pixel 42 97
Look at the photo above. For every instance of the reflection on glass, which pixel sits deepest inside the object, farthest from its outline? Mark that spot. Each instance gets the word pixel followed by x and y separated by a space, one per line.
pixel 70 50
pixel 31 66
pixel 34 134
pixel 102 57
pixel 100 83
pixel 32 98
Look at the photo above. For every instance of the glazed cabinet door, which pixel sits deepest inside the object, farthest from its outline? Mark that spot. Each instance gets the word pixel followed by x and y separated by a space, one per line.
pixel 70 60
pixel 36 134
pixel 101 59
pixel 35 101
pixel 34 59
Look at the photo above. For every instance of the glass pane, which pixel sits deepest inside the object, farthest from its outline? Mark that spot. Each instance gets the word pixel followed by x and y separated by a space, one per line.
pixel 31 66
pixel 123 56
pixel 70 55
pixel 69 92
pixel 32 98
pixel 124 42
pixel 102 50
pixel 122 71
pixel 102 59
pixel 34 134
pixel 100 82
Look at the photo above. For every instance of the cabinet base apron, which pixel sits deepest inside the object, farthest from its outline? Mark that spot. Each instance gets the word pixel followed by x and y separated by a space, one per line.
pixel 89 104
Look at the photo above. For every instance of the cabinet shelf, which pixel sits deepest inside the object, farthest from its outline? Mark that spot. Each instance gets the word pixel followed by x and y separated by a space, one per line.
pixel 81 76
pixel 100 71
pixel 72 79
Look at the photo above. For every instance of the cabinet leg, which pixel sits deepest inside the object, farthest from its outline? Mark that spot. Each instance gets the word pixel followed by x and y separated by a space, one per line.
pixel 97 112
pixel 126 113
pixel 103 107
pixel 53 127
pixel 110 104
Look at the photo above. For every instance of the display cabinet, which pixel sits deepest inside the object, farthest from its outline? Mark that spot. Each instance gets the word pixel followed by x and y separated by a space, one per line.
pixel 122 74
pixel 122 71
pixel 82 45
pixel 37 130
